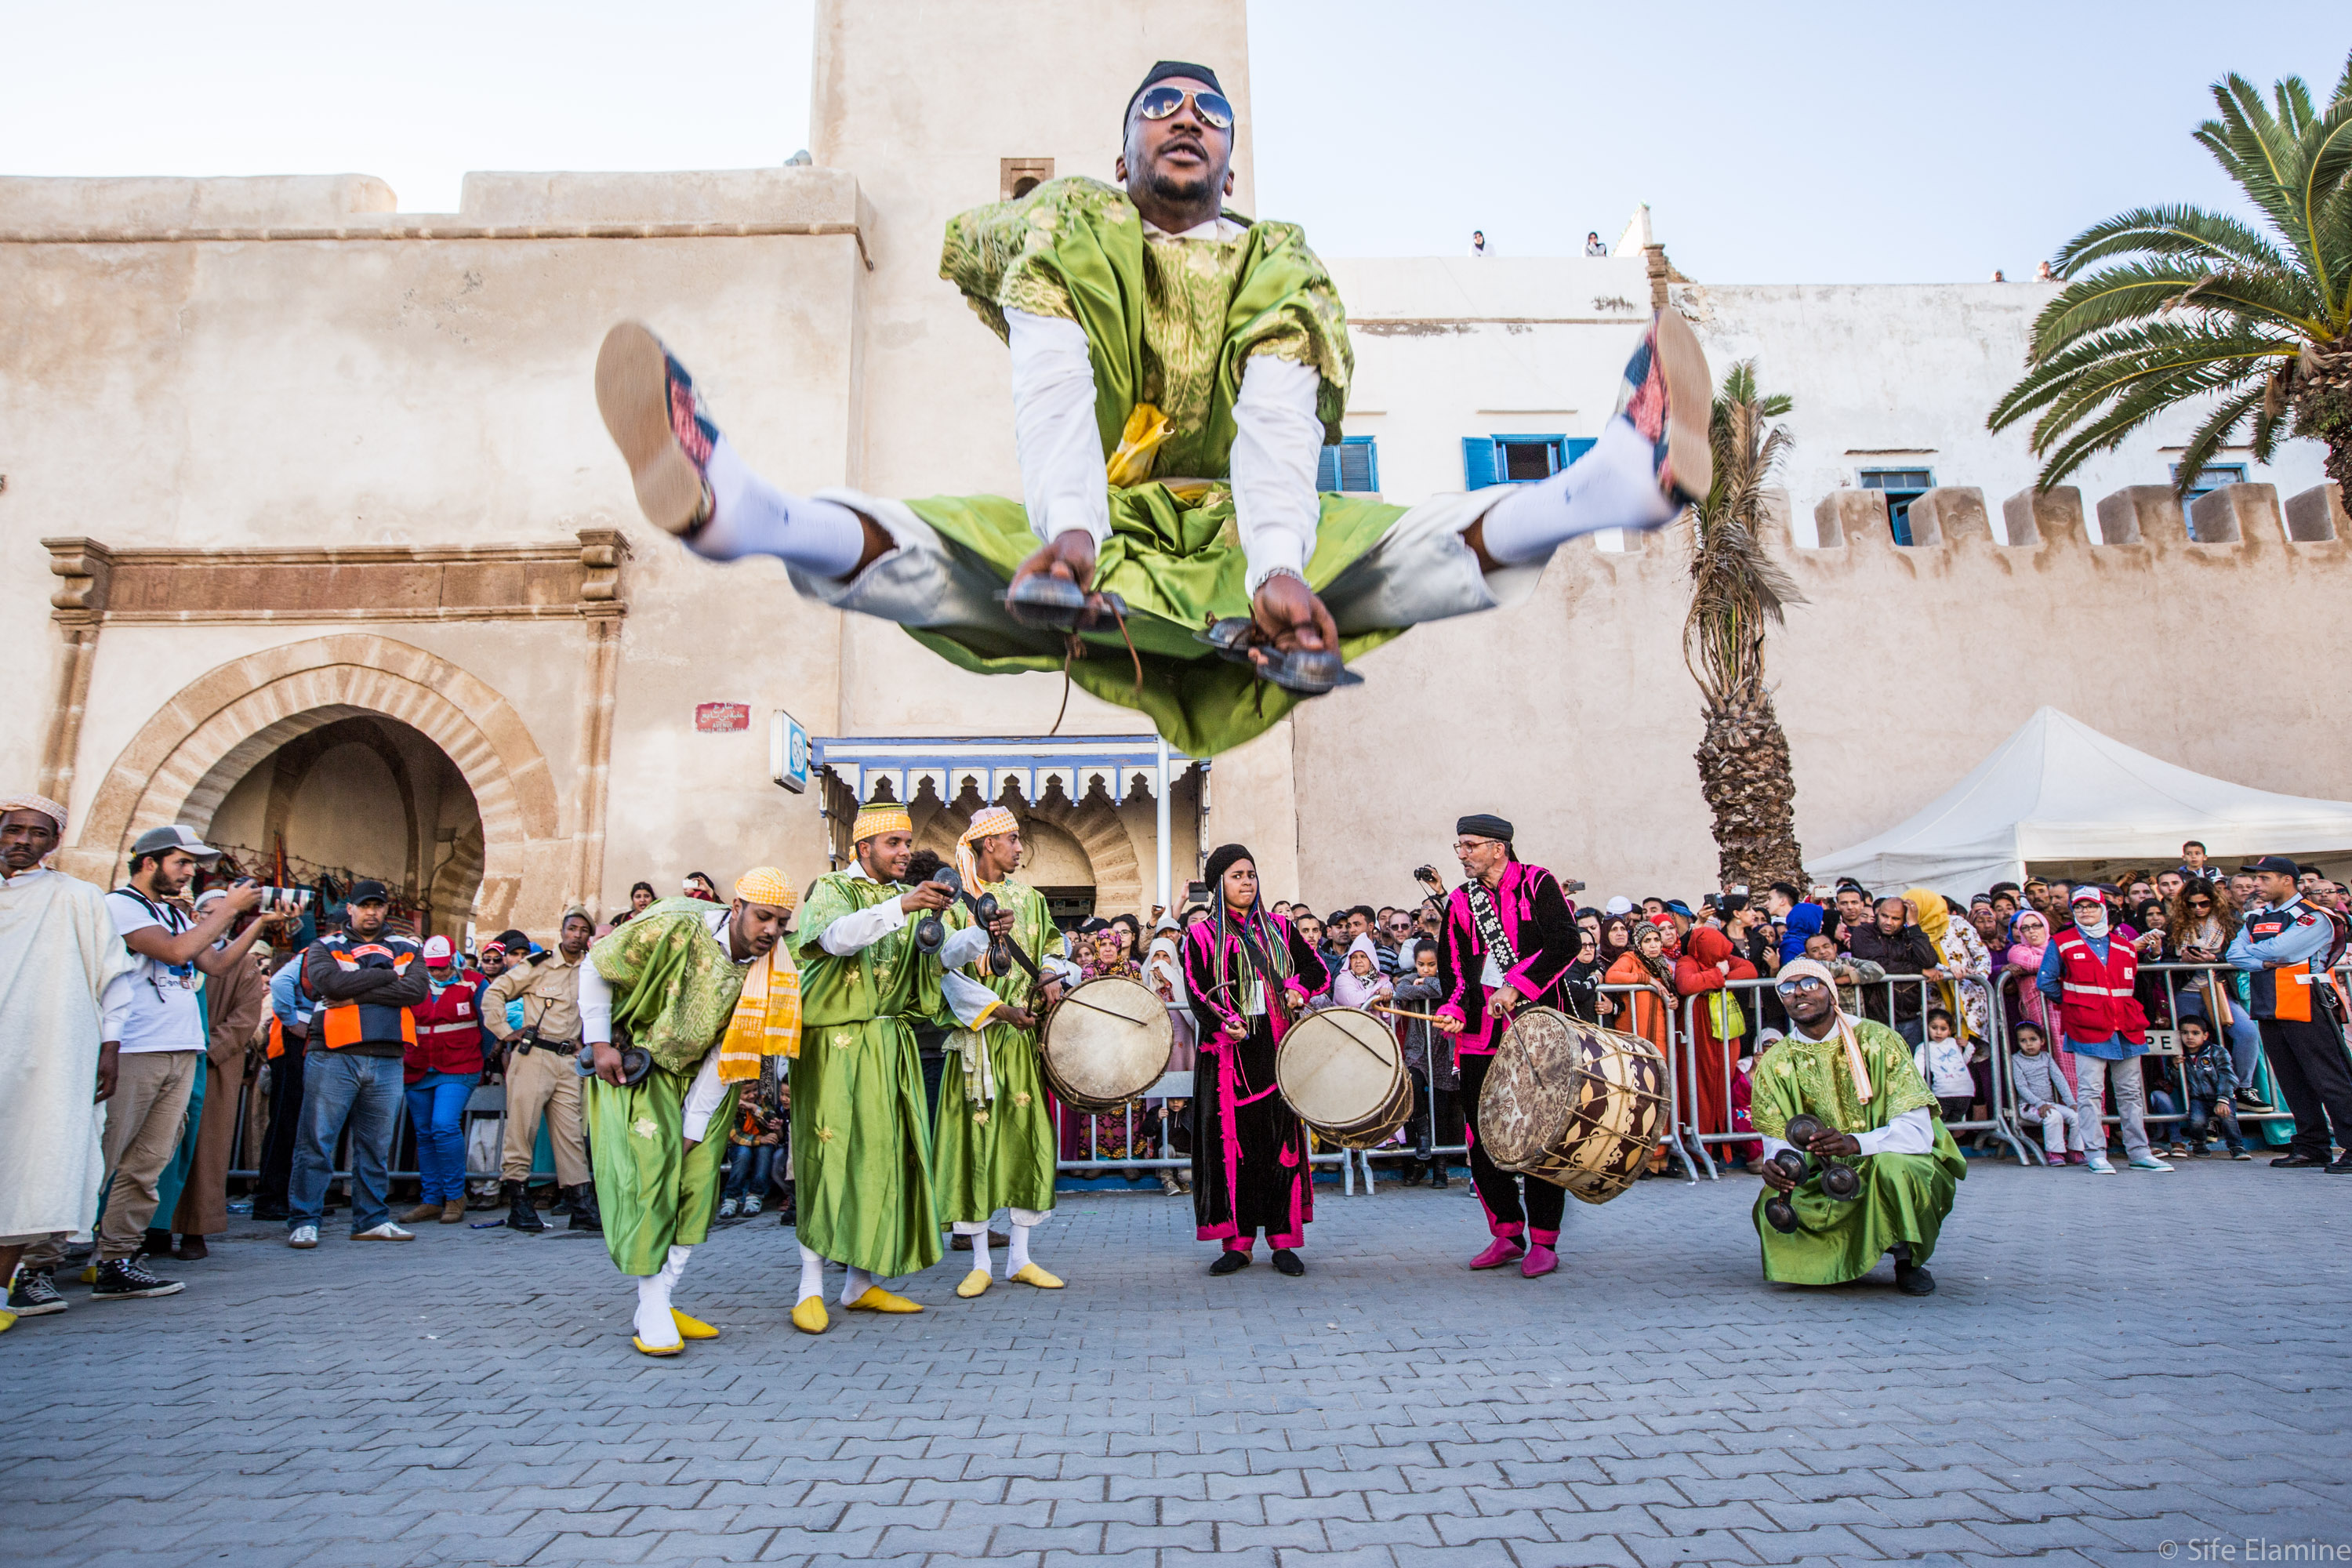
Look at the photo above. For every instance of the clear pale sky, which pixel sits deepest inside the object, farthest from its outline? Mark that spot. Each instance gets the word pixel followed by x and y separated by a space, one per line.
pixel 1821 142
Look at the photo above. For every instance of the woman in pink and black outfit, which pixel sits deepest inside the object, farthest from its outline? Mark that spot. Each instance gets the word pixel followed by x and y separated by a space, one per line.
pixel 1247 973
pixel 1510 935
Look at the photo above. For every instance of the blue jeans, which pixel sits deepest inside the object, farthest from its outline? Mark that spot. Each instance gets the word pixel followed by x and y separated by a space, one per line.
pixel 2201 1122
pixel 437 1108
pixel 2244 1033
pixel 750 1170
pixel 339 1087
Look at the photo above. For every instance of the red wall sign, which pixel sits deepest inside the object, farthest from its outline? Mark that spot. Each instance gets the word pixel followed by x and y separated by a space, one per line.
pixel 721 717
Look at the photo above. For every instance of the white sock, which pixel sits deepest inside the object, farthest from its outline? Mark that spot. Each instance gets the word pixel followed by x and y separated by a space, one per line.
pixel 749 516
pixel 811 1275
pixel 979 1234
pixel 857 1285
pixel 654 1325
pixel 1016 1255
pixel 1613 485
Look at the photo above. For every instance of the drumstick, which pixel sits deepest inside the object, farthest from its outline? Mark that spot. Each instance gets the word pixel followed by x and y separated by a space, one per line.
pixel 1423 1018
pixel 1073 996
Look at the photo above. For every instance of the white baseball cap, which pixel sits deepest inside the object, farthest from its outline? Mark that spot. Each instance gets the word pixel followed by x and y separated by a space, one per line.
pixel 439 950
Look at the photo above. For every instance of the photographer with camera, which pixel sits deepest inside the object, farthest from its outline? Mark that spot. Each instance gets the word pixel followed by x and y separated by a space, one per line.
pixel 537 1066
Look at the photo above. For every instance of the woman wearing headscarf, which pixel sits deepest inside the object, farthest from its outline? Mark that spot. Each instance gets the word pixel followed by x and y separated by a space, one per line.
pixel 1359 982
pixel 1969 966
pixel 2029 934
pixel 1708 963
pixel 1247 973
pixel 1643 962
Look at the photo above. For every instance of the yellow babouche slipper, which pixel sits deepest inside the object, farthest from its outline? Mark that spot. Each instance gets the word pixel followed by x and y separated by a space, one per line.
pixel 978 1280
pixel 1030 1274
pixel 691 1328
pixel 878 1300
pixel 7 1319
pixel 644 1349
pixel 809 1317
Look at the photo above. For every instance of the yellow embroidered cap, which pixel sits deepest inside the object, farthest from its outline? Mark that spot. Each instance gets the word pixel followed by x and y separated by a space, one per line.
pixel 766 884
pixel 878 818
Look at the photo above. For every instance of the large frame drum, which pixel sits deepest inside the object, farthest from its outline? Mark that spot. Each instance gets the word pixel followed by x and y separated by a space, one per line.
pixel 1341 1069
pixel 1105 1043
pixel 1572 1103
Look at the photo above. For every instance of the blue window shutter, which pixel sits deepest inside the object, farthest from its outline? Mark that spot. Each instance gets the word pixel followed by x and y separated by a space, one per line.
pixel 1326 469
pixel 1477 462
pixel 1361 467
pixel 1576 446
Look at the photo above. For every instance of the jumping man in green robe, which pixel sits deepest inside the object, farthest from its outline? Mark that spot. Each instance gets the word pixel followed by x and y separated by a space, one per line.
pixel 1857 1079
pixel 671 982
pixel 1178 370
pixel 861 1130
pixel 993 1142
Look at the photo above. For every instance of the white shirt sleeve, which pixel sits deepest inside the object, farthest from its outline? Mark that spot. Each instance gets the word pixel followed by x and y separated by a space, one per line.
pixel 967 998
pixel 1277 440
pixel 702 1098
pixel 595 1007
pixel 964 947
pixel 114 1004
pixel 856 932
pixel 1053 429
pixel 1913 1132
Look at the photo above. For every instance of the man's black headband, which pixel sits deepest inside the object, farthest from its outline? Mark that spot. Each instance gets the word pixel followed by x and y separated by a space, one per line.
pixel 1481 826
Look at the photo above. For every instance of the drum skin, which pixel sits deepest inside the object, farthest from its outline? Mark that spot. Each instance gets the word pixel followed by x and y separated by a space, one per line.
pixel 1340 1068
pixel 1572 1103
pixel 1105 1043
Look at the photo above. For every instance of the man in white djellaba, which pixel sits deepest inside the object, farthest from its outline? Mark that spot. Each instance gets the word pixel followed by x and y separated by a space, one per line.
pixel 66 985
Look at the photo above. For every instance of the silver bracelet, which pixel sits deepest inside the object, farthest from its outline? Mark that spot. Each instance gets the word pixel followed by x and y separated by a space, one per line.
pixel 1273 571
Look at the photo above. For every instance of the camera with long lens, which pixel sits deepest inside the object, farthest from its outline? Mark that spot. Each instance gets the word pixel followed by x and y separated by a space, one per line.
pixel 1841 1184
pixel 931 932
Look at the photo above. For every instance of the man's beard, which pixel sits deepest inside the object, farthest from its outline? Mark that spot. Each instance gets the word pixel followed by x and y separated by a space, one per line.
pixel 1173 188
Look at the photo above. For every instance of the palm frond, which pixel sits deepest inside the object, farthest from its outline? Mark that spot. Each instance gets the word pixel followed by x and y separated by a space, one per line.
pixel 2211 437
pixel 2175 231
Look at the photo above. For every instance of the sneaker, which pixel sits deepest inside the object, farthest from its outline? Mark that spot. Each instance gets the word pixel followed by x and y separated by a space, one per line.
pixel 2148 1162
pixel 1669 398
pixel 35 1296
pixel 120 1278
pixel 651 412
pixel 751 1205
pixel 303 1236
pixel 387 1231
pixel 2099 1166
pixel 2240 1154
pixel 727 1208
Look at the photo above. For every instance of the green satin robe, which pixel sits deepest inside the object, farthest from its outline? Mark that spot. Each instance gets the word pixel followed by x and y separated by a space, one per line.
pixel 999 1154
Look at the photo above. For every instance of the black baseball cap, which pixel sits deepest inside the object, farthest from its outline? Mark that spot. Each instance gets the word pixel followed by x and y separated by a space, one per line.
pixel 2279 864
pixel 368 891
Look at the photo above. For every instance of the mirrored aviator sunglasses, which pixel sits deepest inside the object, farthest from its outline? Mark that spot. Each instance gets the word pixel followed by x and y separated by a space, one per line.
pixel 1161 102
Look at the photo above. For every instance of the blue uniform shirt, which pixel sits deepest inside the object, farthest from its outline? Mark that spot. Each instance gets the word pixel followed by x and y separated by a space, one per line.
pixel 286 999
pixel 2302 939
pixel 2113 1047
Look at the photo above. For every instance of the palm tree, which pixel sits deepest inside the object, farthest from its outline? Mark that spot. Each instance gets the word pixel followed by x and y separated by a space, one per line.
pixel 2251 319
pixel 1737 594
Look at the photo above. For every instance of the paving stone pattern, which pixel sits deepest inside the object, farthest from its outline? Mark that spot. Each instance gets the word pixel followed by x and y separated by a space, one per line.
pixel 2112 1363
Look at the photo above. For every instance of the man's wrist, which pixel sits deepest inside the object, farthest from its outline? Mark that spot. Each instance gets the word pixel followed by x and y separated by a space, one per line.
pixel 1275 555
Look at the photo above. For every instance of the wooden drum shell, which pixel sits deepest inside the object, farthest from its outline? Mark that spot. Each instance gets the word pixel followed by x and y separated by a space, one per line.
pixel 1095 1062
pixel 1321 1074
pixel 1574 1104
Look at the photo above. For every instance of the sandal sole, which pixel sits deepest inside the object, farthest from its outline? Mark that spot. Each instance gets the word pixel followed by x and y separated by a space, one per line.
pixel 633 395
pixel 1690 404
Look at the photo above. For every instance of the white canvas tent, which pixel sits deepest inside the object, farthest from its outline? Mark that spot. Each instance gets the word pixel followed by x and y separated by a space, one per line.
pixel 2059 790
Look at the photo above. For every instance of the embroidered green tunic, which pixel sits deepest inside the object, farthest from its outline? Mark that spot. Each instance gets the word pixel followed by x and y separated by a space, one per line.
pixel 861 1131
pixel 998 1152
pixel 1171 324
pixel 1904 1197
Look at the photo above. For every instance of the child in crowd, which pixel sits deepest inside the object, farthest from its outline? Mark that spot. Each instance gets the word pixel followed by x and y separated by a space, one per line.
pixel 2044 1098
pixel 2212 1081
pixel 1942 1059
pixel 752 1142
pixel 1428 1059
pixel 1852 974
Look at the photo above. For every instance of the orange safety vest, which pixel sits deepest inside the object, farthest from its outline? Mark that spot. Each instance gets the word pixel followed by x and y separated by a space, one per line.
pixel 349 1023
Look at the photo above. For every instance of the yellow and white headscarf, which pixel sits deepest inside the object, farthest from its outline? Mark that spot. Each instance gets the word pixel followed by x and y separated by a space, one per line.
pixel 767 1021
pixel 880 816
pixel 1855 1066
pixel 985 823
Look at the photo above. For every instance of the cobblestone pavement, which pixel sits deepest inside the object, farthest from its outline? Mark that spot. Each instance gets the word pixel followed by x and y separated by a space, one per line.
pixel 2112 1363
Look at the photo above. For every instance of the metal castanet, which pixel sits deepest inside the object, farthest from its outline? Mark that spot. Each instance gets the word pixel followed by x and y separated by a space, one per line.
pixel 1105 1043
pixel 1340 1068
pixel 1572 1103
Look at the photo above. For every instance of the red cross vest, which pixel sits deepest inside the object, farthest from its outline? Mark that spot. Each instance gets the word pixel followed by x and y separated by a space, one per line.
pixel 2098 1000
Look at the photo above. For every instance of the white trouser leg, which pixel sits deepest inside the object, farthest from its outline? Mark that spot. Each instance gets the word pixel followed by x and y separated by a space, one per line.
pixel 1614 485
pixel 749 516
pixel 811 1274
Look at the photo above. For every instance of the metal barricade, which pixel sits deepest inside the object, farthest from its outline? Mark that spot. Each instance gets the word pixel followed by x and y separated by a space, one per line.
pixel 1627 998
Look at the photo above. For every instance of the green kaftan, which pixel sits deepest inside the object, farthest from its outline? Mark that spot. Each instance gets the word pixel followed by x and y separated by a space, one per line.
pixel 998 1153
pixel 1171 324
pixel 861 1130
pixel 674 990
pixel 654 1191
pixel 1904 1197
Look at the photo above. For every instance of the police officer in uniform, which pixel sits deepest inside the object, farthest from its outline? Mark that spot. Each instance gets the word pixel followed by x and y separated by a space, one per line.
pixel 2287 947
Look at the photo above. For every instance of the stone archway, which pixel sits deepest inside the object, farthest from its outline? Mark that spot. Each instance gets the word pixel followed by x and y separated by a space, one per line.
pixel 184 761
pixel 1094 822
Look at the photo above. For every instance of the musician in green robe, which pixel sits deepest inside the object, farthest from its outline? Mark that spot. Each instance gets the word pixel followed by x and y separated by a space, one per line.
pixel 861 1128
pixel 993 1141
pixel 1179 370
pixel 1857 1079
